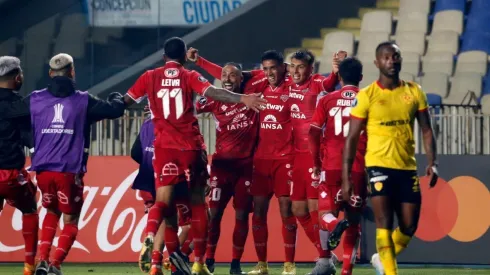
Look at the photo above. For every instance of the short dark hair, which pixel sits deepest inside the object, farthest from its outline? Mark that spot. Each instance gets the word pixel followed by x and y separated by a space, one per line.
pixel 272 55
pixel 175 48
pixel 350 70
pixel 383 45
pixel 304 55
pixel 238 66
pixel 10 75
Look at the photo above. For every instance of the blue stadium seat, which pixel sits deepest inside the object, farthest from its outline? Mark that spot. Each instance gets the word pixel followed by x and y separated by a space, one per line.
pixel 480 6
pixel 476 41
pixel 486 84
pixel 478 21
pixel 434 99
pixel 442 5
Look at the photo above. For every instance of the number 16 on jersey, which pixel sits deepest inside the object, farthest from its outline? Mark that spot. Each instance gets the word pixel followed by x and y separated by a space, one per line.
pixel 166 95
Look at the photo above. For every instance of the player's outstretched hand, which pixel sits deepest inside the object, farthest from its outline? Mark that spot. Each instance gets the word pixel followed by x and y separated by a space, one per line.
pixel 192 54
pixel 433 175
pixel 254 102
pixel 346 190
pixel 337 58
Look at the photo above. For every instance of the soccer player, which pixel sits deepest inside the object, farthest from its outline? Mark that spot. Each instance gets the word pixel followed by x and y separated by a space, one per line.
pixel 15 185
pixel 332 118
pixel 231 166
pixel 61 118
pixel 304 93
pixel 388 109
pixel 273 156
pixel 179 146
pixel 142 153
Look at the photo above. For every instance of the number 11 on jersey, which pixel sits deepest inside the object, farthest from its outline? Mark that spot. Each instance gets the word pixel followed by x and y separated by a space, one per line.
pixel 338 113
pixel 166 94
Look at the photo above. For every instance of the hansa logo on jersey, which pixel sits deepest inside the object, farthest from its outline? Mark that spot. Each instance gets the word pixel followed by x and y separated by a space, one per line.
pixel 348 94
pixel 238 122
pixel 270 122
pixel 296 113
pixel 171 73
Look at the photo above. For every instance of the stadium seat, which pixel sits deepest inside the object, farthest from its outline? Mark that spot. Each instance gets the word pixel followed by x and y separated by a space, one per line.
pixel 462 86
pixel 433 99
pixel 72 36
pixel 217 82
pixel 377 21
pixel 287 57
pixel 473 62
pixel 411 42
pixel 443 41
pixel 407 6
pixel 476 41
pixel 435 83
pixel 338 40
pixel 412 22
pixel 450 20
pixel 444 5
pixel 478 21
pixel 485 104
pixel 486 82
pixel 411 63
pixel 368 78
pixel 438 62
pixel 370 40
pixel 407 76
pixel 367 60
pixel 480 5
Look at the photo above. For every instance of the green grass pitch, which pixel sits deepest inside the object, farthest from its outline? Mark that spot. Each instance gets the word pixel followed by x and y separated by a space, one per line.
pixel 131 268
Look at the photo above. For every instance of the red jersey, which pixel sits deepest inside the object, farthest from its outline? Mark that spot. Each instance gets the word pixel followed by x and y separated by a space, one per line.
pixel 236 128
pixel 170 94
pixel 302 103
pixel 333 114
pixel 276 135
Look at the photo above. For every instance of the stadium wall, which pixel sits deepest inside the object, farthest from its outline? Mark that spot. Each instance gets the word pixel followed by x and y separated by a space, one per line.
pixel 453 226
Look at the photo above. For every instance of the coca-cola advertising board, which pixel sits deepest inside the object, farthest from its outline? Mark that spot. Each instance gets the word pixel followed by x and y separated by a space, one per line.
pixel 112 222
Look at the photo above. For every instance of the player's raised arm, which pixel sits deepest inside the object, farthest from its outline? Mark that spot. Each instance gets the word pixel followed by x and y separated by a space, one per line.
pixel 138 91
pixel 111 108
pixel 315 134
pixel 252 101
pixel 423 118
pixel 331 81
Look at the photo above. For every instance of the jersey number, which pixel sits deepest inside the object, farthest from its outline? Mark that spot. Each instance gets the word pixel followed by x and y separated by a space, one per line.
pixel 337 113
pixel 176 94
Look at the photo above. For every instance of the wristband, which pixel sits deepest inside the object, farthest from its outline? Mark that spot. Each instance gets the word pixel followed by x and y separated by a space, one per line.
pixel 434 169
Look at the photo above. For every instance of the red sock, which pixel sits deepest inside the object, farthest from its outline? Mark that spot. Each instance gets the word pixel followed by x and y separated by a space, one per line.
pixel 289 229
pixel 261 235
pixel 30 224
pixel 65 242
pixel 157 213
pixel 328 222
pixel 350 243
pixel 186 247
pixel 48 232
pixel 307 225
pixel 156 258
pixel 316 228
pixel 240 234
pixel 200 231
pixel 214 232
pixel 171 237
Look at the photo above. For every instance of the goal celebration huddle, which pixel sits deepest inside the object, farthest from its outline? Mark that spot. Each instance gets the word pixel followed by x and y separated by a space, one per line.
pixel 281 131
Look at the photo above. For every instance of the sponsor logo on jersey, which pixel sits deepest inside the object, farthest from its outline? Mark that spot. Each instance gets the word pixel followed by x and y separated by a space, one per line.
pixel 296 95
pixel 171 73
pixel 348 94
pixel 296 113
pixel 259 81
pixel 239 121
pixel 234 111
pixel 284 98
pixel 295 108
pixel 203 100
pixel 270 122
pixel 274 107
pixel 202 79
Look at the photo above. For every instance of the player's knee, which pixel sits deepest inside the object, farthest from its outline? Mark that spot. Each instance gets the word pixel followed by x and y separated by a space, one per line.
pixel 285 206
pixel 71 219
pixel 215 214
pixel 241 215
pixel 299 209
pixel 261 205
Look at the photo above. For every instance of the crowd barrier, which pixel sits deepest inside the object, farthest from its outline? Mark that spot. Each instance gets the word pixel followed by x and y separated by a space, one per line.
pixel 453 227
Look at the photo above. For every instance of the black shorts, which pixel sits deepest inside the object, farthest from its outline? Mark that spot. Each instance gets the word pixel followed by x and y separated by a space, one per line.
pixel 400 185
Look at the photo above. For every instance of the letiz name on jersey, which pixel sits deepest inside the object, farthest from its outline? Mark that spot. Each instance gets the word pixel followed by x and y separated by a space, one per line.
pixel 171 82
pixel 270 122
pixel 239 121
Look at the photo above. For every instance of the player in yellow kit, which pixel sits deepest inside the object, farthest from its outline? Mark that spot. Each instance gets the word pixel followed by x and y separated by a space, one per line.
pixel 387 110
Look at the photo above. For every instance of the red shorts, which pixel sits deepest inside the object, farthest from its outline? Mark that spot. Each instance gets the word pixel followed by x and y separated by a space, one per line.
pixel 183 208
pixel 330 194
pixel 272 176
pixel 305 184
pixel 174 166
pixel 231 178
pixel 17 189
pixel 61 191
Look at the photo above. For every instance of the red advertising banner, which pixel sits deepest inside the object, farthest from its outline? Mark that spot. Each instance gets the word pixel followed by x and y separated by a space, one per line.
pixel 112 222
